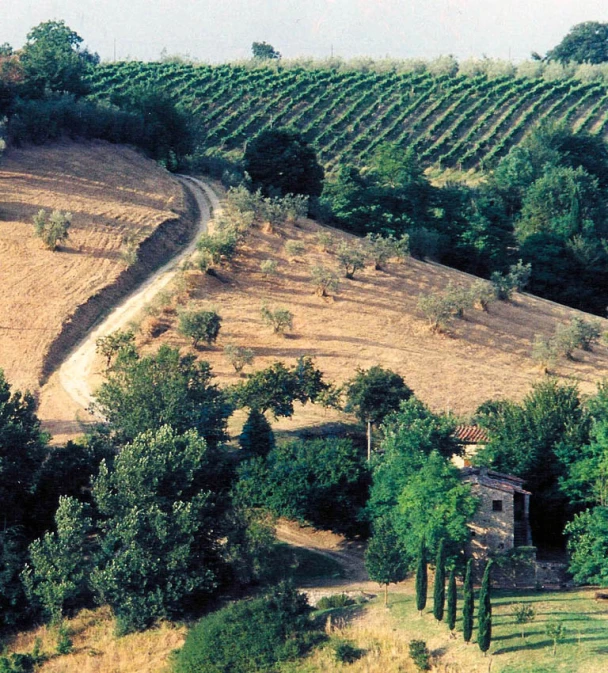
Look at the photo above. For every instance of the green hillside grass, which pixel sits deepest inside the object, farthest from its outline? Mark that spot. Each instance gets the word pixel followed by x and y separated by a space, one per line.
pixel 452 121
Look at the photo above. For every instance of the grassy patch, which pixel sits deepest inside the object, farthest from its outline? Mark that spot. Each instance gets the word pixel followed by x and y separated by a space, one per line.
pixel 306 566
pixel 384 635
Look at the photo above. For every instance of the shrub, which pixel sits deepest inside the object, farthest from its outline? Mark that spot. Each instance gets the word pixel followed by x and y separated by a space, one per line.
pixel 482 294
pixel 458 298
pixel 516 280
pixel 249 635
pixel 523 614
pixel 335 601
pixel 295 249
pixel 345 652
pixel 325 241
pixel 238 356
pixel 53 229
pixel 351 258
pixel 268 267
pixel 566 340
pixel 280 319
pixel 420 655
pixel 218 247
pixel 129 250
pixel 110 345
pixel 324 280
pixel 544 352
pixel 200 326
pixel 588 332
pixel 437 310
pixel 64 642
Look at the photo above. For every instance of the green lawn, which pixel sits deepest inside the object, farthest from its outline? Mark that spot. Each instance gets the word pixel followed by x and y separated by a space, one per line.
pixel 585 645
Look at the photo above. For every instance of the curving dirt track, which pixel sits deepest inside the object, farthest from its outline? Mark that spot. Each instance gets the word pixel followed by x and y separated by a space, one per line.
pixel 75 372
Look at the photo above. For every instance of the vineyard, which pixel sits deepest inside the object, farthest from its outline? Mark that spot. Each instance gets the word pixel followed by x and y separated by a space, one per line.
pixel 460 121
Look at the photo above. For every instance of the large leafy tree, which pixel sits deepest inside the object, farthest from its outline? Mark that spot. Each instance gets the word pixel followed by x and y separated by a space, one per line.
pixel 373 394
pixel 52 60
pixel 538 440
pixel 262 51
pixel 585 43
pixel 160 528
pixel 146 392
pixel 588 546
pixel 322 481
pixel 280 161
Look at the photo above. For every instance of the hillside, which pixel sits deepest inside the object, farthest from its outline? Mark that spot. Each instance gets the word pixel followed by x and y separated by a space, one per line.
pixel 49 297
pixel 462 121
pixel 373 319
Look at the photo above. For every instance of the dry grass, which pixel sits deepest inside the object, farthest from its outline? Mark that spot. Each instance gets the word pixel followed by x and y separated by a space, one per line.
pixel 372 320
pixel 97 650
pixel 112 192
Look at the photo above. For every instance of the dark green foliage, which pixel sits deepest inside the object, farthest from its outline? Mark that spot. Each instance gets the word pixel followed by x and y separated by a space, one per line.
pixel 335 601
pixel 280 162
pixel 52 61
pixel 257 437
pixel 538 440
pixel 322 481
pixel 484 628
pixel 585 43
pixel 160 527
pixel 588 546
pixel 13 555
pixel 452 598
pixel 56 576
pixel 22 663
pixel 439 585
pixel 421 578
pixel 146 392
pixel 165 133
pixel 249 635
pixel 420 655
pixel 262 51
pixel 385 561
pixel 374 393
pixel 468 604
pixel 200 326
pixel 276 388
pixel 65 644
pixel 345 652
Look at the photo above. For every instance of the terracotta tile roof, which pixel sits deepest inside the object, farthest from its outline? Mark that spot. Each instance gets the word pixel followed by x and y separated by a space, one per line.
pixel 471 434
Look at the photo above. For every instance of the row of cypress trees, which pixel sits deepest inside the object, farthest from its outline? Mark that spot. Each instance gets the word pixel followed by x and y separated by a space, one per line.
pixel 484 616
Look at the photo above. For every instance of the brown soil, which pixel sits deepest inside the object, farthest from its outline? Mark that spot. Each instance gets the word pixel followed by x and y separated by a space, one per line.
pixel 374 319
pixel 112 192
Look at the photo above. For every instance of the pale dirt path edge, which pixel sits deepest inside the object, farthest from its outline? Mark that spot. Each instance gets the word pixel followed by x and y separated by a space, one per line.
pixel 76 369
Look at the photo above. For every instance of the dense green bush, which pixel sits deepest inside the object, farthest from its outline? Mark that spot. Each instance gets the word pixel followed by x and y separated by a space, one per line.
pixel 322 481
pixel 249 636
pixel 200 326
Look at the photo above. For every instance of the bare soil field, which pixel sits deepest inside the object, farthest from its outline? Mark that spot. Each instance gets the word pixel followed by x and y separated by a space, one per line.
pixel 373 320
pixel 113 192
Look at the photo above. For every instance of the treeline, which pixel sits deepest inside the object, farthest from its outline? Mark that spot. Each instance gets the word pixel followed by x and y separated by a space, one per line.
pixel 43 90
pixel 544 204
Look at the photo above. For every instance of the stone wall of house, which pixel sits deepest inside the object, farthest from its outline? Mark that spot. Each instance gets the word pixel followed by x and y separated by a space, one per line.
pixel 491 530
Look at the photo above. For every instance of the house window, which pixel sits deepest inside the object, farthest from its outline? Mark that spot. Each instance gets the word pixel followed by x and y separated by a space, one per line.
pixel 497 505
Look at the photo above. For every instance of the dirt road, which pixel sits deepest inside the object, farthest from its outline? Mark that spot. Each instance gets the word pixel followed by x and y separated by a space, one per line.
pixel 76 370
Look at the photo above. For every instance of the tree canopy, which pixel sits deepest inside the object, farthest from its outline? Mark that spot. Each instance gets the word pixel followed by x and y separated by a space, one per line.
pixel 280 162
pixel 586 42
pixel 146 392
pixel 262 51
pixel 52 60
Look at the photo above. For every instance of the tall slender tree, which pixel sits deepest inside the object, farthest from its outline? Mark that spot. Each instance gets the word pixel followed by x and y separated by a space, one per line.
pixel 439 585
pixel 384 558
pixel 451 602
pixel 468 604
pixel 484 628
pixel 421 578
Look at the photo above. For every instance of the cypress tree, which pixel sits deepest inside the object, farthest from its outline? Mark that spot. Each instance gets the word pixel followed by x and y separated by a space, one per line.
pixel 439 586
pixel 257 436
pixel 451 607
pixel 468 604
pixel 484 628
pixel 421 579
